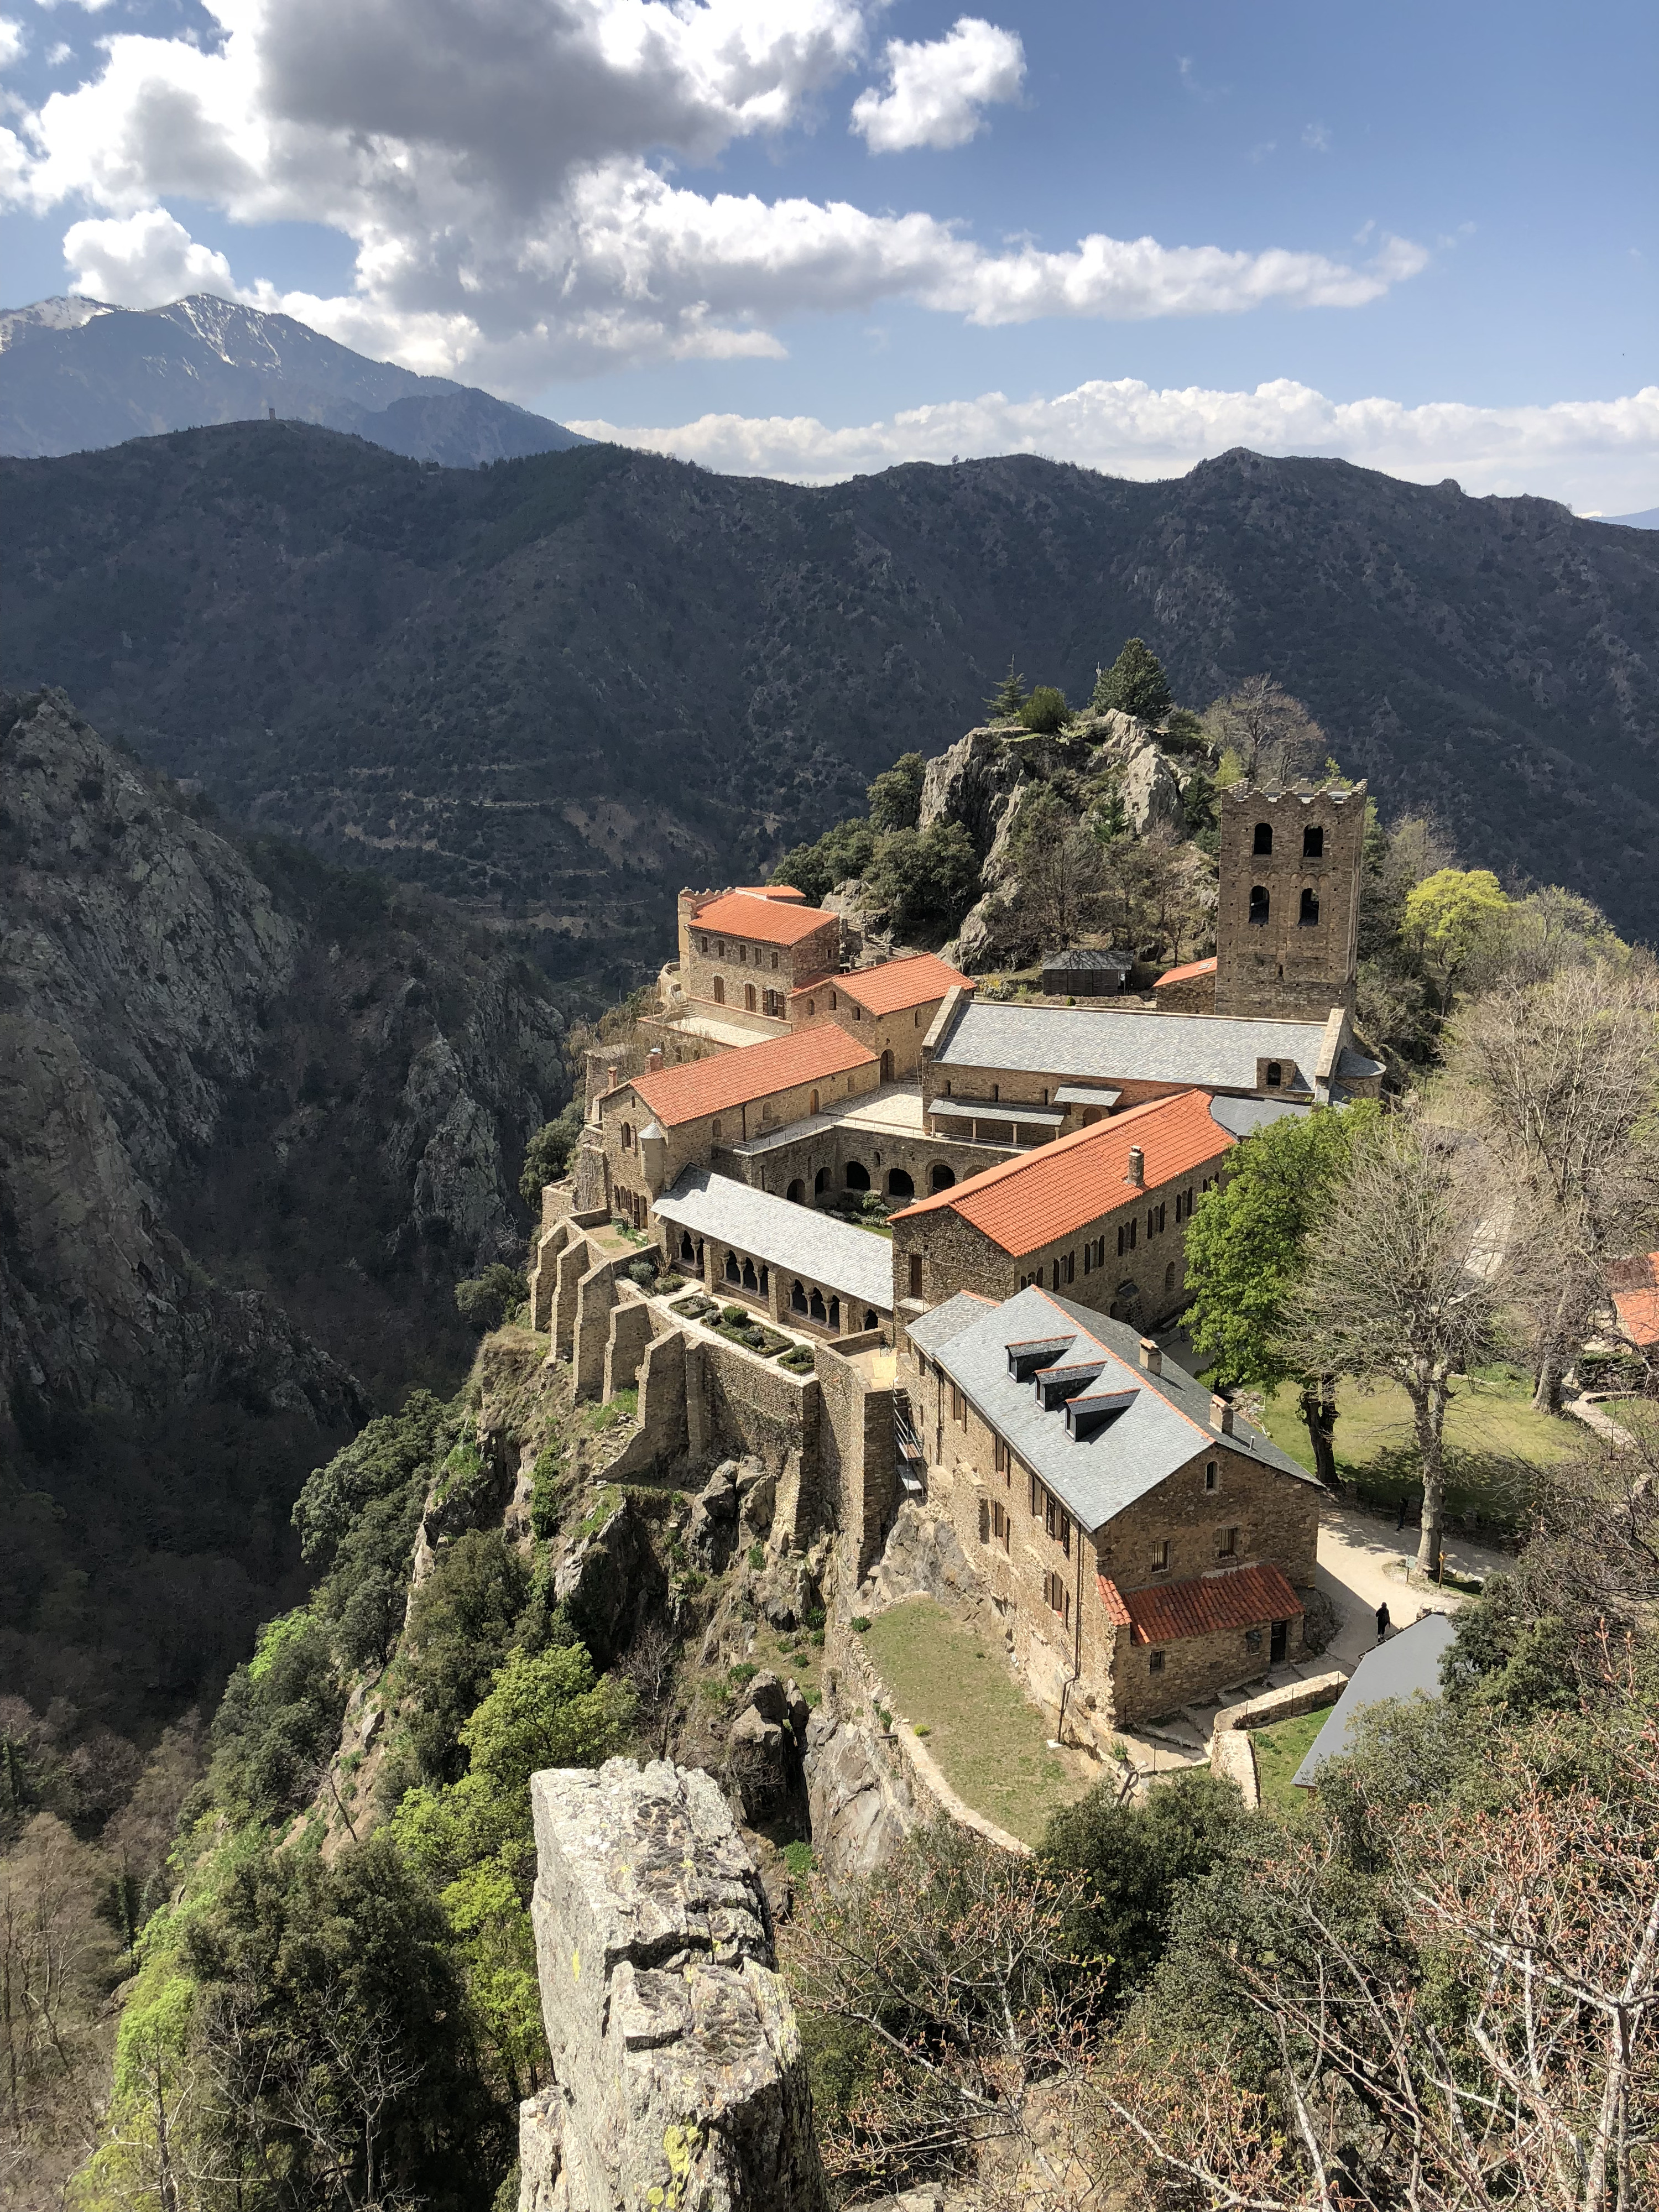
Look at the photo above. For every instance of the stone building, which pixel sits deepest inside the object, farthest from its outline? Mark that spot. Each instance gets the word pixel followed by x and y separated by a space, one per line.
pixel 890 1008
pixel 798 1267
pixel 1100 1215
pixel 1287 924
pixel 1143 1546
pixel 1189 989
pixel 1013 1073
pixel 647 1130
pixel 742 952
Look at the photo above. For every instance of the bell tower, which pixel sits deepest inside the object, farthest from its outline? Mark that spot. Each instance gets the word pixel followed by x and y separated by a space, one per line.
pixel 1287 926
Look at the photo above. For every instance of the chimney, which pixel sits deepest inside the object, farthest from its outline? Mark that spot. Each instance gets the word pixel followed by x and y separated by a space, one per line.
pixel 653 1060
pixel 1151 1357
pixel 1137 1174
pixel 1221 1413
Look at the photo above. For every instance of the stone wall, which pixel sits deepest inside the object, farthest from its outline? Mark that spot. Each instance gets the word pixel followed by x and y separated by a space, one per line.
pixel 858 1462
pixel 677 2073
pixel 1281 962
pixel 814 1162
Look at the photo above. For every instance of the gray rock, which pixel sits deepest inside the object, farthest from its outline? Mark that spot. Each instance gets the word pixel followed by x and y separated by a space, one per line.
pixel 860 1808
pixel 922 1557
pixel 766 1696
pixel 609 1580
pixel 676 2054
pixel 540 2154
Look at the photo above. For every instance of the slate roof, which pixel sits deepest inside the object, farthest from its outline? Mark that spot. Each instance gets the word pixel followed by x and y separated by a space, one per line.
pixel 1024 1204
pixel 795 1239
pixel 1084 960
pixel 1166 1420
pixel 1243 1115
pixel 893 985
pixel 752 1072
pixel 1235 1597
pixel 1214 1052
pixel 766 920
pixel 1407 1663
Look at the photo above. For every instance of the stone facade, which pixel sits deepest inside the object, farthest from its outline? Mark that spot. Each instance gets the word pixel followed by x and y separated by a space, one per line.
pixel 1219 1511
pixel 751 972
pixel 1287 928
pixel 816 1160
pixel 1130 1263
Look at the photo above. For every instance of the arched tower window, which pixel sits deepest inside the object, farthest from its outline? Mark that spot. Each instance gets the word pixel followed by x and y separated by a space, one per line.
pixel 1264 837
pixel 1275 1075
pixel 1259 902
pixel 1313 844
pixel 1308 916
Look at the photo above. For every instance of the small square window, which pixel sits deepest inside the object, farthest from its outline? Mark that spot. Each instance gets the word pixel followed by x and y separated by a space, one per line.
pixel 1155 1662
pixel 1226 1542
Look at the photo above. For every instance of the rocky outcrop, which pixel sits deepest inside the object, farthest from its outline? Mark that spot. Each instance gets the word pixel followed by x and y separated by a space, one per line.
pixel 860 1804
pixel 224 1067
pixel 763 1746
pixel 679 2078
pixel 610 1580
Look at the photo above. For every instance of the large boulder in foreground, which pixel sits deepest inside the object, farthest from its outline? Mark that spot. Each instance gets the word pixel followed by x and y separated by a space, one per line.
pixel 678 2074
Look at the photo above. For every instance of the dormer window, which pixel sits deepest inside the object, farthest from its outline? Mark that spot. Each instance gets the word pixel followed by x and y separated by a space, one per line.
pixel 1275 1075
pixel 1264 837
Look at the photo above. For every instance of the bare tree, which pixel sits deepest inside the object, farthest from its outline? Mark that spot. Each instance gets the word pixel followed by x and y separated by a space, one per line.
pixel 1564 1077
pixel 1404 1280
pixel 1271 736
pixel 649 1669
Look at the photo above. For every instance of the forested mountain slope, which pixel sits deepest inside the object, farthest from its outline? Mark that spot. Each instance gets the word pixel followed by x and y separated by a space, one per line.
pixel 562 687
pixel 256 1116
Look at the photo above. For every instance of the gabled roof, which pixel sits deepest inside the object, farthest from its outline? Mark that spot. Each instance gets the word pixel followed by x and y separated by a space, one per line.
pixel 766 920
pixel 1209 1052
pixel 796 1240
pixel 893 985
pixel 1636 1297
pixel 753 1072
pixel 1235 1597
pixel 1024 1204
pixel 1155 1423
pixel 1185 973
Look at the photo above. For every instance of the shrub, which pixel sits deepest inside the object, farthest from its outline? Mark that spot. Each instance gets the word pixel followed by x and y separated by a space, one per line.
pixel 757 1557
pixel 548 1153
pixel 546 1494
pixel 895 797
pixel 642 1273
pixel 734 1316
pixel 860 1624
pixel 1045 711
pixel 486 1300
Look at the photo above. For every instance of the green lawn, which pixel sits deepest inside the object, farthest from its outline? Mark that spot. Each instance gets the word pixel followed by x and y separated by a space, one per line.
pixel 991 1742
pixel 1493 1441
pixel 1279 1750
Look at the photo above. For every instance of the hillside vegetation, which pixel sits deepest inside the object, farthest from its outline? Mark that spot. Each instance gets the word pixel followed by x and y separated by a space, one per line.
pixel 561 688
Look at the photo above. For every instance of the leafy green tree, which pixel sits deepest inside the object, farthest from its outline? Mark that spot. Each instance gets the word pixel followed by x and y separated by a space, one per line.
pixel 841 853
pixel 358 1515
pixel 895 797
pixel 1134 684
pixel 486 1300
pixel 548 1153
pixel 1246 1247
pixel 1136 1861
pixel 277 1721
pixel 1006 702
pixel 1045 712
pixel 926 879
pixel 461 1625
pixel 1452 916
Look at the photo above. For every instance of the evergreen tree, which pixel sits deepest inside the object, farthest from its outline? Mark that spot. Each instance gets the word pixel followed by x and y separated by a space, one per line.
pixel 1134 684
pixel 1045 711
pixel 895 797
pixel 1006 702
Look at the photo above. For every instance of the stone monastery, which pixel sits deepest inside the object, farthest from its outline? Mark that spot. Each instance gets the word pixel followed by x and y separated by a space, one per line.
pixel 911 1249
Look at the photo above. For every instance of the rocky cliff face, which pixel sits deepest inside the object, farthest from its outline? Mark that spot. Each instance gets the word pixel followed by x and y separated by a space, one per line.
pixel 256 1117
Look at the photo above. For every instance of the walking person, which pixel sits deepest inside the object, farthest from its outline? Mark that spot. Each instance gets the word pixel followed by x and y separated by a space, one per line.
pixel 1383 1623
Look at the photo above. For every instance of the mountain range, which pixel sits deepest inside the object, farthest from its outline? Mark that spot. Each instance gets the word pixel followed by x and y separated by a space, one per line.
pixel 560 688
pixel 78 374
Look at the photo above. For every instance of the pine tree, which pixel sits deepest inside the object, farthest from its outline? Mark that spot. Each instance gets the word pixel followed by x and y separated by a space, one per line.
pixel 1006 702
pixel 1134 684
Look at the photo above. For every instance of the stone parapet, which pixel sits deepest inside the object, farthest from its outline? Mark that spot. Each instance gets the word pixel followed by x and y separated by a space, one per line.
pixel 678 2077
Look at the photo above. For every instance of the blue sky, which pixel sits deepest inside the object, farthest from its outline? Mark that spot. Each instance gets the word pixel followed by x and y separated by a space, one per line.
pixel 662 220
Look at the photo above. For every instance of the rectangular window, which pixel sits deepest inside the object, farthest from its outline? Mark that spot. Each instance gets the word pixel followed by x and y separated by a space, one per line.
pixel 1133 1225
pixel 1161 1556
pixel 1036 1498
pixel 1088 1257
pixel 1056 1595
pixel 1066 1533
pixel 1226 1543
pixel 1002 1458
pixel 774 959
pixel 1070 1266
pixel 1154 1662
pixel 958 1407
pixel 1160 1219
pixel 1211 1474
pixel 916 1274
pixel 1121 1234
pixel 984 1522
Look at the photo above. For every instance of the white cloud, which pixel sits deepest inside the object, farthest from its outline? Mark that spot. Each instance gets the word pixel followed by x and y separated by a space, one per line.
pixel 1592 453
pixel 141 260
pixel 12 41
pixel 499 166
pixel 936 91
pixel 1317 138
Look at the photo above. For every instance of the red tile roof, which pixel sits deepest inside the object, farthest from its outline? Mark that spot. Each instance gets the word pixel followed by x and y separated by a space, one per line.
pixel 893 985
pixel 1057 1189
pixel 698 1087
pixel 1636 1297
pixel 1116 1612
pixel 766 920
pixel 1181 975
pixel 1244 1597
pixel 769 891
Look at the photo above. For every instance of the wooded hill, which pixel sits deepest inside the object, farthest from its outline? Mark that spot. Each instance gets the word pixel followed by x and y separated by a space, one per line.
pixel 562 687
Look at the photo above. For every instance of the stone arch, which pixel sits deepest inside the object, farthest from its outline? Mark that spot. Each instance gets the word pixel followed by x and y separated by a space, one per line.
pixel 797 1298
pixel 688 1250
pixel 796 1192
pixel 1275 1075
pixel 1260 904
pixel 942 1177
pixel 1169 1277
pixel 734 1272
pixel 751 1280
pixel 871 1321
pixel 887 1068
pixel 1263 841
pixel 855 1175
pixel 820 1182
pixel 835 1316
pixel 1308 917
pixel 813 1104
pixel 814 1306
pixel 899 1184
